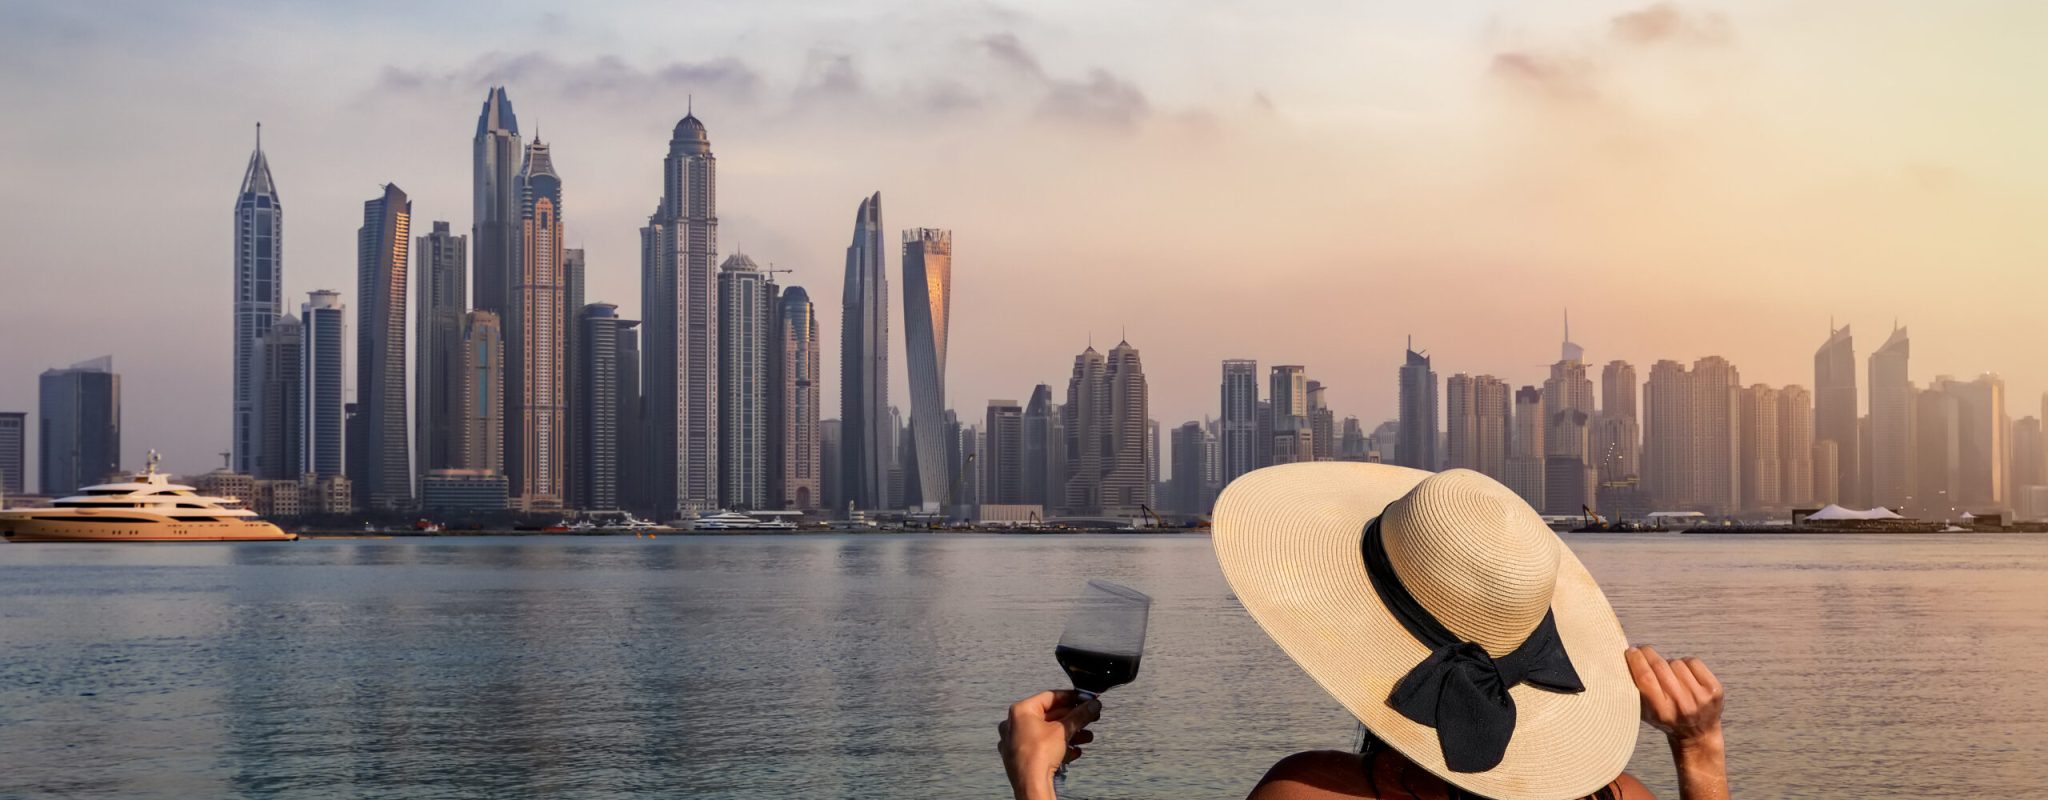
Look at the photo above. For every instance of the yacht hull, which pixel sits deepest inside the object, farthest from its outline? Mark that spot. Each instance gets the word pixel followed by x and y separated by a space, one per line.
pixel 17 529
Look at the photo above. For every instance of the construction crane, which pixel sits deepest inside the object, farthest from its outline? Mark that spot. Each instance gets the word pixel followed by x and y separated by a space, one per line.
pixel 1151 515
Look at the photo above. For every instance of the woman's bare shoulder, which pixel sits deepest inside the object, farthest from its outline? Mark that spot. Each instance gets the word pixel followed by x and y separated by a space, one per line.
pixel 1314 775
pixel 1627 787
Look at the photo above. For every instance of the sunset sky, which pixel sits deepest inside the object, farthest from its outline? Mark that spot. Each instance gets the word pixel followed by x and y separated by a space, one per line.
pixel 1302 182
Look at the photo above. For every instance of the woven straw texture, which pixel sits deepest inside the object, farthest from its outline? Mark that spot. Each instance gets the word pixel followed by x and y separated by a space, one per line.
pixel 1473 554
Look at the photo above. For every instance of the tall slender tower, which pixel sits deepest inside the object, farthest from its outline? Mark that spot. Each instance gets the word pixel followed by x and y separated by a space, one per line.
pixel 596 467
pixel 679 294
pixel 259 294
pixel 1240 417
pixel 1835 412
pixel 536 338
pixel 496 156
pixel 1417 446
pixel 323 330
pixel 1891 422
pixel 1086 422
pixel 1128 476
pixel 382 474
pixel 1292 437
pixel 746 300
pixel 483 400
pixel 867 437
pixel 1041 464
pixel 280 407
pixel 927 303
pixel 437 369
pixel 793 436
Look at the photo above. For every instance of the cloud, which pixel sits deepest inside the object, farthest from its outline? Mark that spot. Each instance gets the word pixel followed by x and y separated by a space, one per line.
pixel 830 75
pixel 607 76
pixel 1548 75
pixel 1006 50
pixel 1664 22
pixel 1103 99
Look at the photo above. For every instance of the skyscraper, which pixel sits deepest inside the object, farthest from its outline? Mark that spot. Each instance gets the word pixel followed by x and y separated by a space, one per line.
pixel 572 358
pixel 1891 422
pixel 1041 483
pixel 381 470
pixel 632 446
pixel 746 299
pixel 1762 466
pixel 13 442
pixel 1984 443
pixel 1292 437
pixel 1617 429
pixel 678 285
pixel 1085 420
pixel 1479 414
pixel 1835 411
pixel 1692 455
pixel 1795 446
pixel 1002 460
pixel 867 438
pixel 536 425
pixel 259 293
pixel 1568 474
pixel 323 328
pixel 1525 448
pixel 1322 423
pixel 441 262
pixel 1126 481
pixel 927 306
pixel 280 400
pixel 1417 444
pixel 80 435
pixel 1186 445
pixel 495 158
pixel 829 476
pixel 1240 417
pixel 1938 428
pixel 793 432
pixel 596 429
pixel 483 402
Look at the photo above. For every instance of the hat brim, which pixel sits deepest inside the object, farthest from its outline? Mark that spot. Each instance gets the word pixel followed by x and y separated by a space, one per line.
pixel 1288 540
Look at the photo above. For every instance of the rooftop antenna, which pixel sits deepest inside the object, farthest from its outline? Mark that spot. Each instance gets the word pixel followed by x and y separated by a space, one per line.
pixel 259 136
pixel 225 458
pixel 690 105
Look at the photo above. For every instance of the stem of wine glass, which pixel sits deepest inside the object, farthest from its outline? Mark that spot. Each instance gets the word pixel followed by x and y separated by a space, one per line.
pixel 1059 775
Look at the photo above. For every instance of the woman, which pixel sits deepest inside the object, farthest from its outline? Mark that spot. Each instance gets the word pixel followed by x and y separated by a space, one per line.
pixel 1437 608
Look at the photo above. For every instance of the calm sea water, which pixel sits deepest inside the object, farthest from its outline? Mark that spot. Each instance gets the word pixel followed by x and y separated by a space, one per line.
pixel 877 666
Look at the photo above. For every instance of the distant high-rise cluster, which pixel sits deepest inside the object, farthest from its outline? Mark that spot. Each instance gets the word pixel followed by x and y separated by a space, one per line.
pixel 516 394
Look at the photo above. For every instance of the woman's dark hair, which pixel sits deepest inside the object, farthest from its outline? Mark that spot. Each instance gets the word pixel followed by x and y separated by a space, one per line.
pixel 1370 748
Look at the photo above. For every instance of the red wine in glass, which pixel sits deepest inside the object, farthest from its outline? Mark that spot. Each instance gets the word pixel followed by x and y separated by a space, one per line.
pixel 1103 643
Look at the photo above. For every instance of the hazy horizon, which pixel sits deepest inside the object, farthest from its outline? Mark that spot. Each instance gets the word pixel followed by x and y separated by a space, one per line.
pixel 1306 184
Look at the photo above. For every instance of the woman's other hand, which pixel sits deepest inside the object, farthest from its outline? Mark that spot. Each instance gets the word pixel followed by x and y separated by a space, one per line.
pixel 1042 732
pixel 1681 697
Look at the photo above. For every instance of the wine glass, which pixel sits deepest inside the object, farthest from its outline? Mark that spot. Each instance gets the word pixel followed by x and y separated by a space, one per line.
pixel 1103 642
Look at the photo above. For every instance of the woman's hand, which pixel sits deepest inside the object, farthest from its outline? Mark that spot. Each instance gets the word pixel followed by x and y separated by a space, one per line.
pixel 1042 733
pixel 1682 698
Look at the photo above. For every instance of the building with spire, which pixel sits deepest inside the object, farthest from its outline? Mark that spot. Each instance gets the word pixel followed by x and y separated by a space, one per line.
pixel 1835 413
pixel 1891 422
pixel 679 306
pixel 1107 428
pixel 536 342
pixel 746 305
pixel 927 315
pixel 867 437
pixel 380 468
pixel 1569 479
pixel 259 295
pixel 441 261
pixel 1416 445
pixel 495 158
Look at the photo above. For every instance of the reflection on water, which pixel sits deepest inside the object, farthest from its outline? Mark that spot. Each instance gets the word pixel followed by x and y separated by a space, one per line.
pixel 873 665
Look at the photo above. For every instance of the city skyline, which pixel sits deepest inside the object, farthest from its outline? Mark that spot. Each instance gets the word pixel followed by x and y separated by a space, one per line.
pixel 1917 193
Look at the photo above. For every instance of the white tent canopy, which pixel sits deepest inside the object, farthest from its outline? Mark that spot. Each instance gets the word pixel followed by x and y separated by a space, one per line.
pixel 1838 512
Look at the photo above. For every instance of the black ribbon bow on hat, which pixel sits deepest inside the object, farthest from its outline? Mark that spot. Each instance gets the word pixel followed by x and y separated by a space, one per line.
pixel 1461 690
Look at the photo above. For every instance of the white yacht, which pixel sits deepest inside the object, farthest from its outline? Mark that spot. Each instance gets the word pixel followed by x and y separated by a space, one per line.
pixel 148 508
pixel 735 521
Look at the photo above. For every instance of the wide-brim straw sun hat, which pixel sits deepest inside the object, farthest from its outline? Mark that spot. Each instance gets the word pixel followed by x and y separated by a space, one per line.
pixel 1350 567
